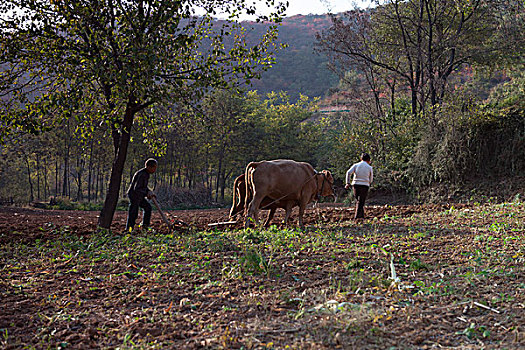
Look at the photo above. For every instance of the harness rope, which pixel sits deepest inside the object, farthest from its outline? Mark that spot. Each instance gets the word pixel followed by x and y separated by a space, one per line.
pixel 286 195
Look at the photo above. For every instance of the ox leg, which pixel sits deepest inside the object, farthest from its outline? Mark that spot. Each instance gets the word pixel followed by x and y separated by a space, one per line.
pixel 270 217
pixel 233 213
pixel 302 206
pixel 288 208
pixel 253 211
pixel 236 208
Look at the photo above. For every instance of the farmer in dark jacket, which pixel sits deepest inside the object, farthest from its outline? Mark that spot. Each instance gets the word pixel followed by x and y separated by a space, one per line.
pixel 138 192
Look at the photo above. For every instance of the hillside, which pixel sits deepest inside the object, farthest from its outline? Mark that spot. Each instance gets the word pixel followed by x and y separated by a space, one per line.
pixel 298 68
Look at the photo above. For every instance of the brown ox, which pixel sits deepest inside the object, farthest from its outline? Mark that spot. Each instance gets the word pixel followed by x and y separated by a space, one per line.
pixel 240 198
pixel 287 182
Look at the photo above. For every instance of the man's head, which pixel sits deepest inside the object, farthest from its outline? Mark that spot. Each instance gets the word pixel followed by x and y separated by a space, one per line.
pixel 151 165
pixel 365 157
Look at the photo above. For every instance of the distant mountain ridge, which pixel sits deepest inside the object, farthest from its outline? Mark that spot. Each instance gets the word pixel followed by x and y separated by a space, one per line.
pixel 298 69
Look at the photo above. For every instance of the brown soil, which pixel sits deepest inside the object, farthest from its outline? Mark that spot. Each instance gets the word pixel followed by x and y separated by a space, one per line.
pixel 32 223
pixel 461 270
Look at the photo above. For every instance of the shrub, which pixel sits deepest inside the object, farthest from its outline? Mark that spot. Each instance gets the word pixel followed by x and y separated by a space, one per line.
pixel 473 142
pixel 183 198
pixel 61 203
pixel 123 204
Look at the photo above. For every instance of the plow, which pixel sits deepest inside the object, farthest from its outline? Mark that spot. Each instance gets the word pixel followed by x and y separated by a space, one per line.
pixel 224 223
pixel 173 223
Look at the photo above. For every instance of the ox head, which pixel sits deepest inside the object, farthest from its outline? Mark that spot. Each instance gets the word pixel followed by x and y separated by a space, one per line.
pixel 325 184
pixel 239 194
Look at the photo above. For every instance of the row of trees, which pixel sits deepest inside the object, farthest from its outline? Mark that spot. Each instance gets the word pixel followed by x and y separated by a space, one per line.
pixel 201 155
pixel 110 81
pixel 58 163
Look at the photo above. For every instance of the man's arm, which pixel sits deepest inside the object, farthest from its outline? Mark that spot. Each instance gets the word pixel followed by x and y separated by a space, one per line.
pixel 371 175
pixel 348 175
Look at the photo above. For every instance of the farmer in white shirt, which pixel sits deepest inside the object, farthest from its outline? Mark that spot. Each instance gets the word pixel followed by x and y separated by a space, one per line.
pixel 363 177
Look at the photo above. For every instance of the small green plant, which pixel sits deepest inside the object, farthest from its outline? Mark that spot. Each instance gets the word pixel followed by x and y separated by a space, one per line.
pixel 356 279
pixel 450 211
pixel 253 262
pixel 127 339
pixel 420 235
pixel 353 264
pixel 498 226
pixel 231 271
pixel 472 332
pixel 418 265
pixel 5 336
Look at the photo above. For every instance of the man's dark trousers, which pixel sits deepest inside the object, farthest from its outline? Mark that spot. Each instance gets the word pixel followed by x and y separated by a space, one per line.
pixel 360 193
pixel 134 212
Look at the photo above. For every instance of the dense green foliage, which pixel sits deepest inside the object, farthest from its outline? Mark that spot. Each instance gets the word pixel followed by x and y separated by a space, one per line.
pixel 466 124
pixel 201 155
pixel 106 63
pixel 414 77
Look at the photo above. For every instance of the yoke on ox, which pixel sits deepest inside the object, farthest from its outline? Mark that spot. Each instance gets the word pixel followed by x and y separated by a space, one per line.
pixel 286 183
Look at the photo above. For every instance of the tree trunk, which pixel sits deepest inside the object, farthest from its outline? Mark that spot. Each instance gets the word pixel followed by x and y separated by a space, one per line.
pixel 97 184
pixel 38 197
pixel 112 195
pixel 46 184
pixel 56 177
pixel 413 95
pixel 218 180
pixel 32 197
pixel 80 166
pixel 123 182
pixel 66 189
pixel 90 170
pixel 223 184
pixel 65 175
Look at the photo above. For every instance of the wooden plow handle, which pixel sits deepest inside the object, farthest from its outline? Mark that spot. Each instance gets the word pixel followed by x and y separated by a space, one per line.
pixel 164 218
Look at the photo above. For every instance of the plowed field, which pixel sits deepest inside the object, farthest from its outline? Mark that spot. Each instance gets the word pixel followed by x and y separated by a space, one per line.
pixel 408 277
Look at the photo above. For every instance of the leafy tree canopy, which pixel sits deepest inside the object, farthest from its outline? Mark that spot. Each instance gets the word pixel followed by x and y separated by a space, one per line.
pixel 104 56
pixel 105 61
